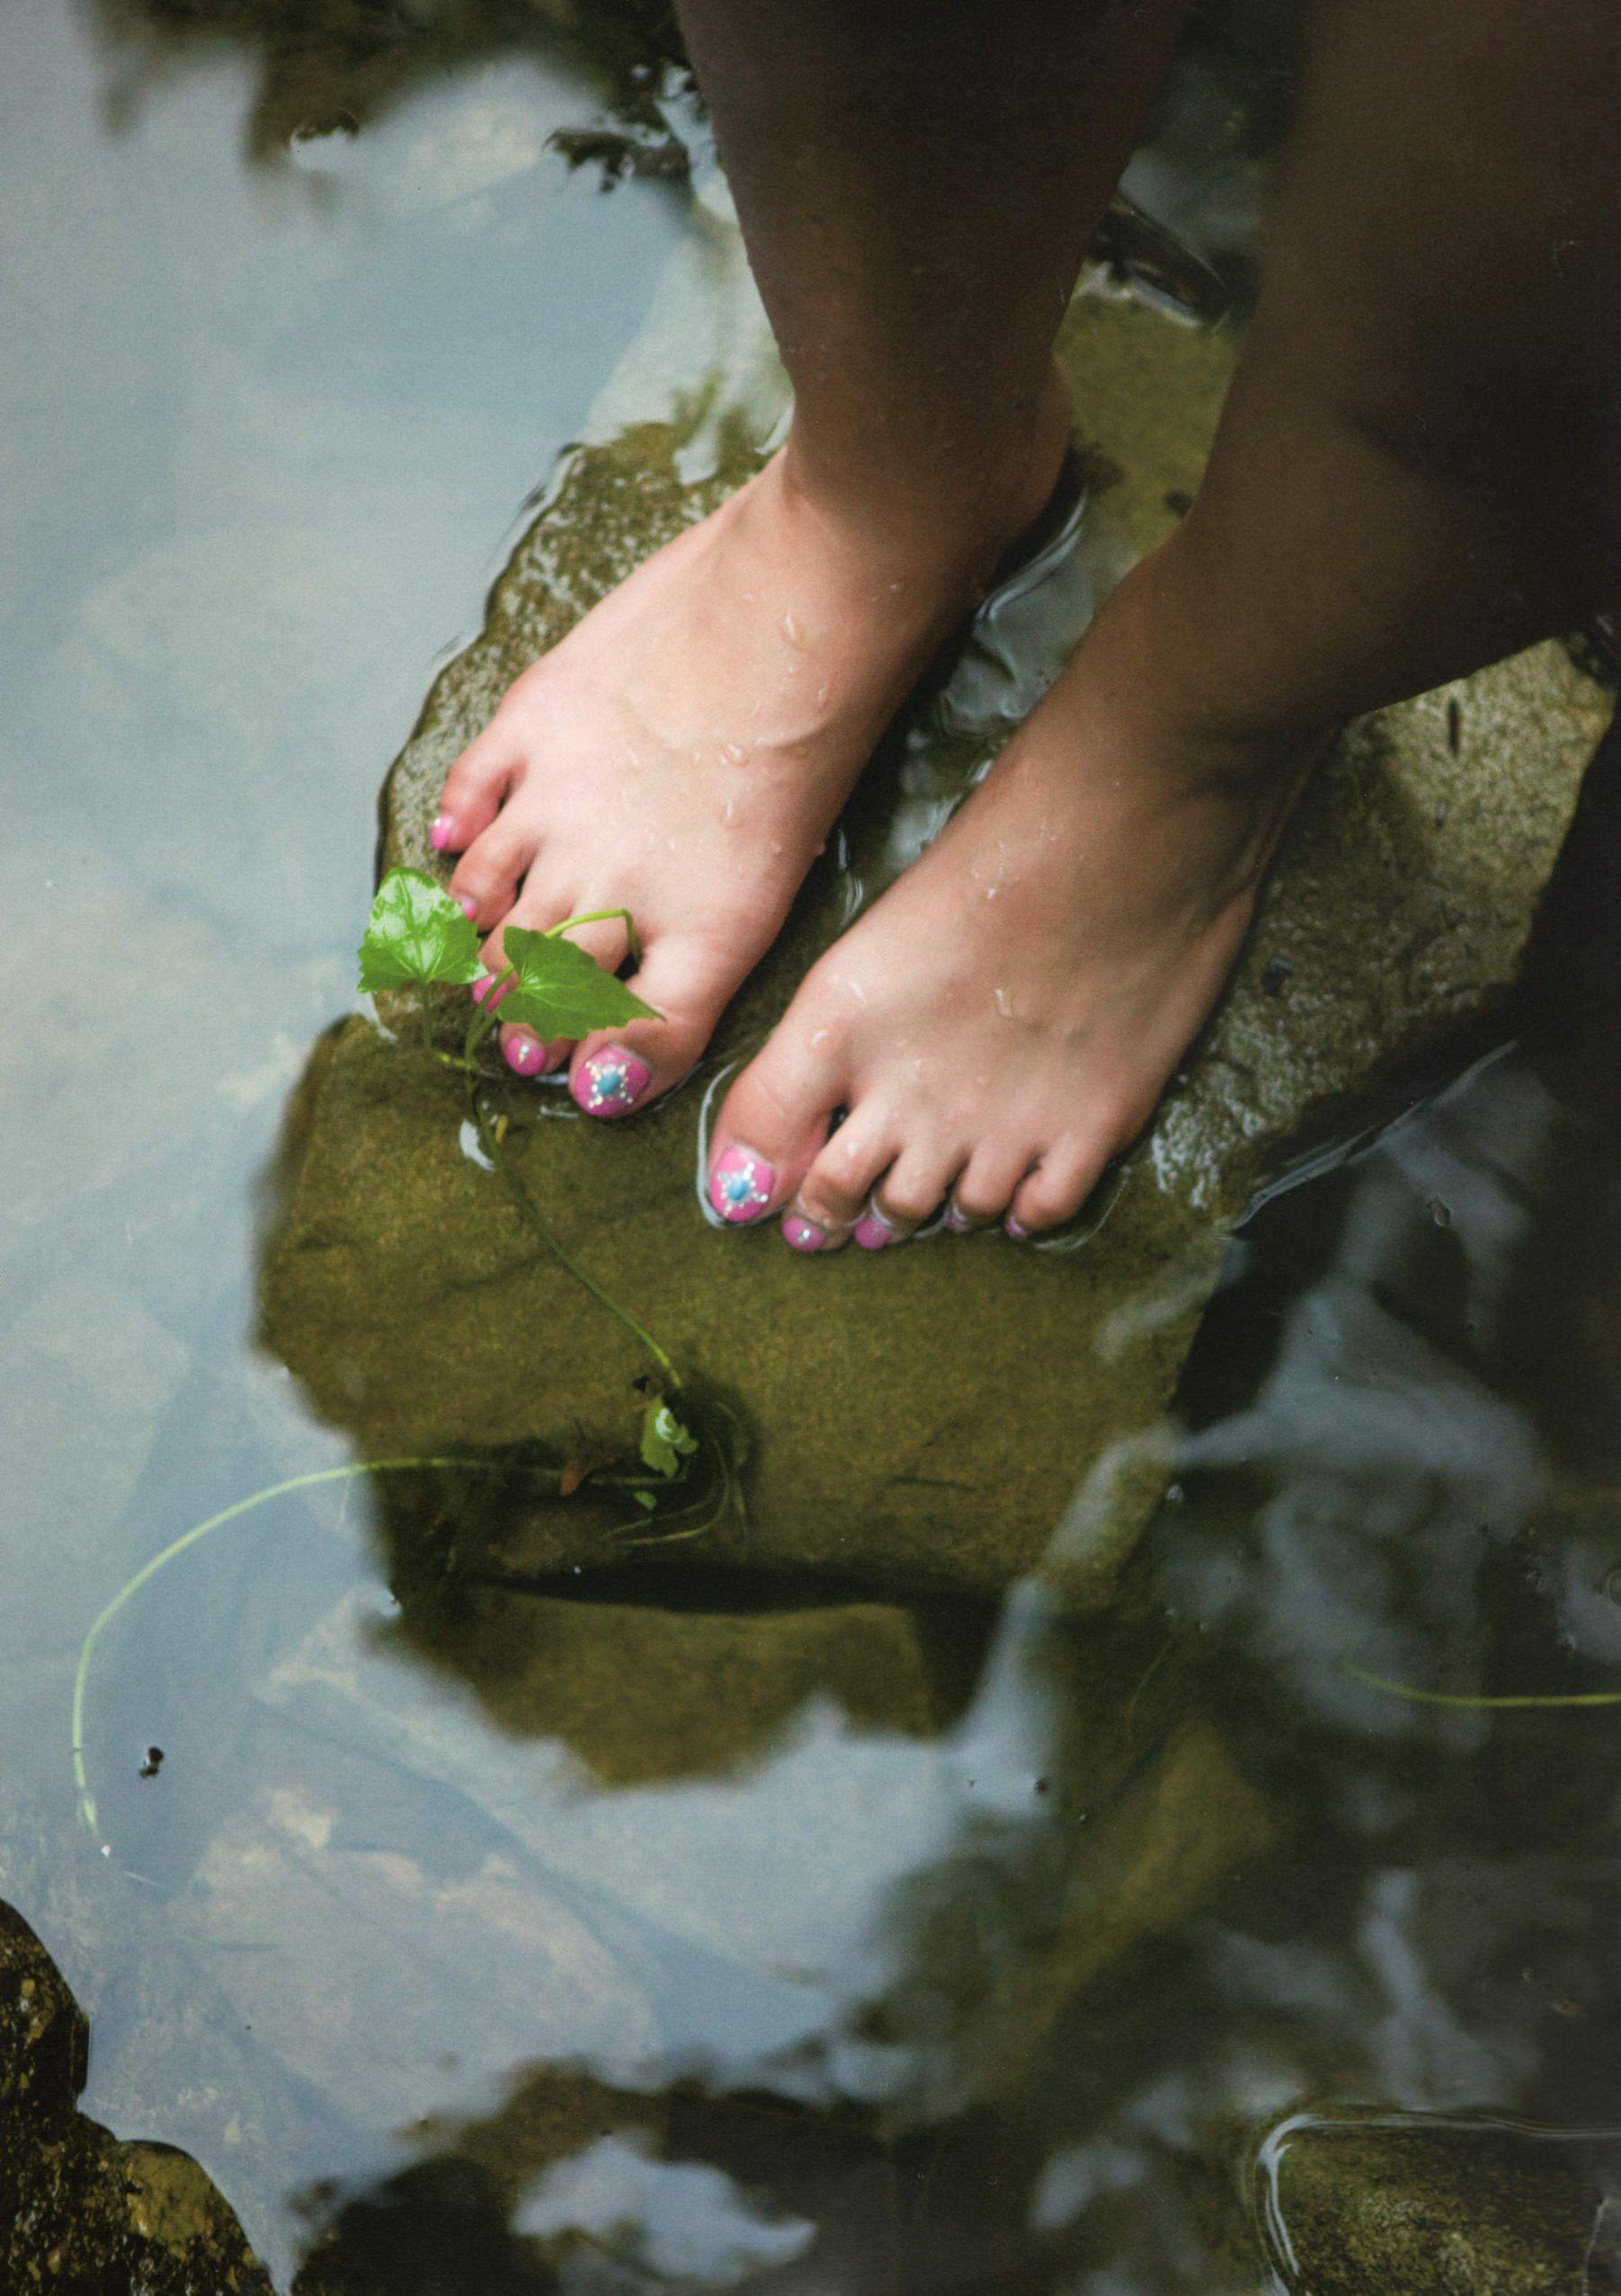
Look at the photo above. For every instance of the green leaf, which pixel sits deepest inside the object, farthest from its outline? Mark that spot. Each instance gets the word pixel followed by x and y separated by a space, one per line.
pixel 560 991
pixel 666 1442
pixel 417 936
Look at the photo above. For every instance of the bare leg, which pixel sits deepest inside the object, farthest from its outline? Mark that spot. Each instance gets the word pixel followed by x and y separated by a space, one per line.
pixel 917 183
pixel 1419 470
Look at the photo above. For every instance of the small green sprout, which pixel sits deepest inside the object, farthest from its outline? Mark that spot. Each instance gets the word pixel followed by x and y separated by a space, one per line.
pixel 417 937
pixel 666 1442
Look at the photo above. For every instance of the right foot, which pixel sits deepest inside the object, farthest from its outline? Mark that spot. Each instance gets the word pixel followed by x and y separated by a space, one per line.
pixel 684 751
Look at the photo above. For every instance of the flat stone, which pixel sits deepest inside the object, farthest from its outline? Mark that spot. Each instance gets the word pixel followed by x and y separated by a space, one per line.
pixel 926 1416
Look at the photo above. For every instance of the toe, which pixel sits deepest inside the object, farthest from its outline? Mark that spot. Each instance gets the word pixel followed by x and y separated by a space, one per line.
pixel 486 878
pixel 1056 1187
pixel 983 1191
pixel 474 789
pixel 836 1192
pixel 775 1119
pixel 526 1056
pixel 537 910
pixel 688 983
pixel 909 1193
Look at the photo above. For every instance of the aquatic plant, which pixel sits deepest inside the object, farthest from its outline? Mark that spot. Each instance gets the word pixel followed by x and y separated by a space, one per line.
pixel 417 940
pixel 1466 1702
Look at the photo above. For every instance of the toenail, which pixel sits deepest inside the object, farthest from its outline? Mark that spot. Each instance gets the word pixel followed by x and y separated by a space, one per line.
pixel 439 832
pixel 465 904
pixel 956 1222
pixel 741 1184
pixel 524 1055
pixel 873 1231
pixel 1016 1228
pixel 610 1081
pixel 801 1235
pixel 482 987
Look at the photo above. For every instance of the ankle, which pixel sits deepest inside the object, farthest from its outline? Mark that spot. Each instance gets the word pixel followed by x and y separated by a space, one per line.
pixel 955 525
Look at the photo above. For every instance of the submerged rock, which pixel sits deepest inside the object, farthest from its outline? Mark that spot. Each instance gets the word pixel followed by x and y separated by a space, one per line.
pixel 925 1416
pixel 786 1869
pixel 80 2211
pixel 1441 2208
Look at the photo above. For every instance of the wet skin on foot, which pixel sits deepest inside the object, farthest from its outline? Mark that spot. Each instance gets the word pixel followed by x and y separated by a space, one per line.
pixel 684 751
pixel 1000 1025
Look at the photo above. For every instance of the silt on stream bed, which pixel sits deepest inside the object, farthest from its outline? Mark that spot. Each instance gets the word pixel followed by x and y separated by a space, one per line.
pixel 986 1863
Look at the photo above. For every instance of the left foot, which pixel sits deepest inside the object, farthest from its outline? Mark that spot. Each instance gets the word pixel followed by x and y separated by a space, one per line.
pixel 1003 1021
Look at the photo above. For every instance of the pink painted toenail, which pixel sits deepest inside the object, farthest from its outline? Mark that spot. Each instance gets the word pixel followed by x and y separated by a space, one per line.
pixel 610 1082
pixel 803 1235
pixel 1016 1228
pixel 872 1232
pixel 465 904
pixel 482 987
pixel 957 1222
pixel 439 831
pixel 741 1184
pixel 524 1055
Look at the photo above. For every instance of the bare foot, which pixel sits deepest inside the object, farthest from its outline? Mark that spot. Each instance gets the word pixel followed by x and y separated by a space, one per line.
pixel 1004 1019
pixel 683 753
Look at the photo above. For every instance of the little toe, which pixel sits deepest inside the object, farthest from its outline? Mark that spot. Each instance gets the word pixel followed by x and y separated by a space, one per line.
pixel 775 1118
pixel 472 795
pixel 1057 1188
pixel 689 984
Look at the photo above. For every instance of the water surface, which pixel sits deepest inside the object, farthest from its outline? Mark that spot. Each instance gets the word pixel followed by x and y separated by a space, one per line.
pixel 682 1928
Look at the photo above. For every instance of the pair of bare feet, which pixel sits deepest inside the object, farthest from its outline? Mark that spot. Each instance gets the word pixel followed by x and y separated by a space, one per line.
pixel 1001 1024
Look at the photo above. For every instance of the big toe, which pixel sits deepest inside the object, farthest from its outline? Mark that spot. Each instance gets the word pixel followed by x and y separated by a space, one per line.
pixel 774 1121
pixel 688 983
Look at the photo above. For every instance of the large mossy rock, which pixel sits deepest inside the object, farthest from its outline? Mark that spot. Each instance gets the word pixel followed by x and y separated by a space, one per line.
pixel 1401 2206
pixel 80 2212
pixel 928 1415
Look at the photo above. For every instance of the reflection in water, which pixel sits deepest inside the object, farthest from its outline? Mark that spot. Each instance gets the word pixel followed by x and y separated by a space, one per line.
pixel 729 1933
pixel 997 1989
pixel 331 67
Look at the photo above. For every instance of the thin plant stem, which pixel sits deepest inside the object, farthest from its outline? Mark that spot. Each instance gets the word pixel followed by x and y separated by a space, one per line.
pixel 529 1212
pixel 485 1015
pixel 602 917
pixel 1457 1698
pixel 188 1538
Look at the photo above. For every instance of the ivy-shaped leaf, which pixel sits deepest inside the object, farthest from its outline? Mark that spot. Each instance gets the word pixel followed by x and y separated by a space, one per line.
pixel 560 991
pixel 666 1442
pixel 416 936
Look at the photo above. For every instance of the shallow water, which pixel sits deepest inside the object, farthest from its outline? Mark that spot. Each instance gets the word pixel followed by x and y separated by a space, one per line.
pixel 679 1926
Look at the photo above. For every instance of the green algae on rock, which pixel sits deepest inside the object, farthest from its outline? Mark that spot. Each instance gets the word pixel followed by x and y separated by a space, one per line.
pixel 923 1416
pixel 1430 2206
